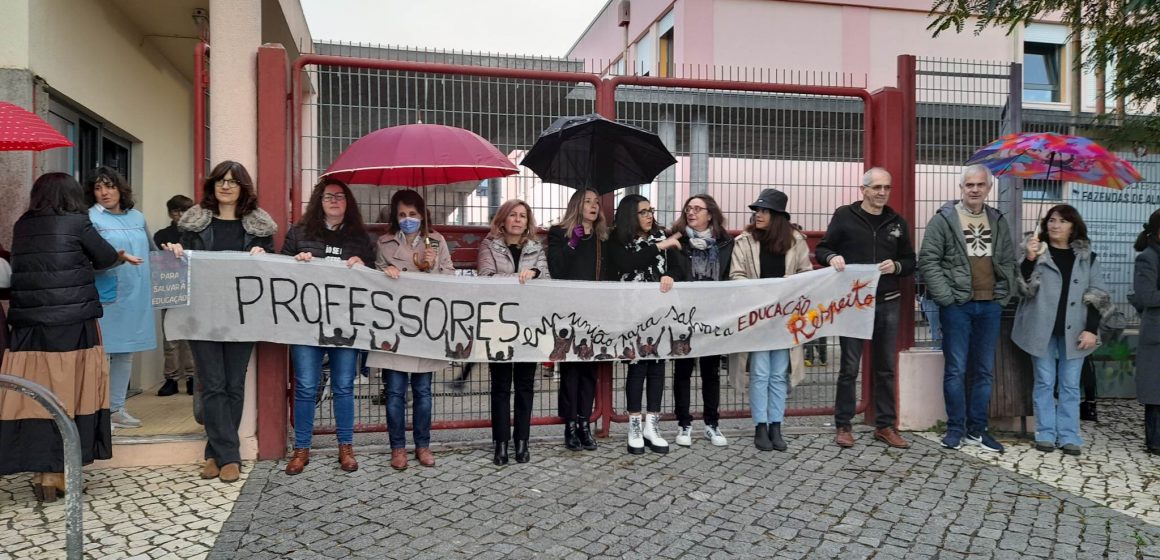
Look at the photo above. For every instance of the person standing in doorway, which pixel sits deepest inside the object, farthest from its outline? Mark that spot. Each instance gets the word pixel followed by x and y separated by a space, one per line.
pixel 178 358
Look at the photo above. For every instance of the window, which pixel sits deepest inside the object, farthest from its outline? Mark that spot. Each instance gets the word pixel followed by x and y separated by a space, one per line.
pixel 1041 72
pixel 93 144
pixel 646 55
pixel 1041 189
pixel 666 64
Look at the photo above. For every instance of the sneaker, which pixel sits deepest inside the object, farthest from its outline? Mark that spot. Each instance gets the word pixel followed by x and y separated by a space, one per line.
pixel 168 388
pixel 1070 449
pixel 808 363
pixel 685 436
pixel 1045 446
pixel 122 419
pixel 713 434
pixel 985 441
pixel 952 441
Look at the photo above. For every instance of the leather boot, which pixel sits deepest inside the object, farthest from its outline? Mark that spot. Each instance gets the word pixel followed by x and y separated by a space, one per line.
pixel 425 456
pixel 775 439
pixel 230 473
pixel 522 453
pixel 298 461
pixel 399 459
pixel 50 487
pixel 346 460
pixel 652 435
pixel 501 454
pixel 585 432
pixel 635 435
pixel 1087 411
pixel 210 469
pixel 761 437
pixel 571 437
pixel 168 388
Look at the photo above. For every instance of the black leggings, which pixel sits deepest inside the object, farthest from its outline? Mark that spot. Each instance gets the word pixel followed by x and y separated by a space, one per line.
pixel 654 372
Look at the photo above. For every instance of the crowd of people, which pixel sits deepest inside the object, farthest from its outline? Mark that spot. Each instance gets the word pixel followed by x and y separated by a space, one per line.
pixel 80 309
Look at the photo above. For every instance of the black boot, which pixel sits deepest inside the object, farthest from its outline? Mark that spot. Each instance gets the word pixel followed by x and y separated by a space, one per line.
pixel 584 429
pixel 189 386
pixel 571 437
pixel 501 453
pixel 522 454
pixel 1087 411
pixel 168 388
pixel 761 437
pixel 775 439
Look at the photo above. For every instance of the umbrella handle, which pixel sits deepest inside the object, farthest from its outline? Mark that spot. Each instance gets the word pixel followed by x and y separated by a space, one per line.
pixel 1042 245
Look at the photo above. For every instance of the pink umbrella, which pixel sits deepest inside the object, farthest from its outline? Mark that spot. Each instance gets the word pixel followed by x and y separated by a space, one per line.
pixel 418 155
pixel 22 130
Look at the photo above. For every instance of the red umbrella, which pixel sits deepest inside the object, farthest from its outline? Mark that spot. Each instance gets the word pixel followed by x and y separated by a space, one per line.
pixel 22 130
pixel 417 155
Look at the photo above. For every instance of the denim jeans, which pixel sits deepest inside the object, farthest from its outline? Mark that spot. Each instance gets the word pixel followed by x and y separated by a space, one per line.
pixel 1057 422
pixel 768 385
pixel 883 350
pixel 930 311
pixel 397 407
pixel 970 335
pixel 221 368
pixel 307 372
pixel 120 368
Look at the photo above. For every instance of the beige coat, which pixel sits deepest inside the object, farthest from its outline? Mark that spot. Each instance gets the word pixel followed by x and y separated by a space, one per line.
pixel 746 265
pixel 394 250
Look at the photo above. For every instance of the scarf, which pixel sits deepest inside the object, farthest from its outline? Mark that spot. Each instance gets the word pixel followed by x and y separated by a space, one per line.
pixel 703 254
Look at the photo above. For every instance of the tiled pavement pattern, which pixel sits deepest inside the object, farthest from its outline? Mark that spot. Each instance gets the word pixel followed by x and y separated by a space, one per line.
pixel 139 513
pixel 1113 470
pixel 815 501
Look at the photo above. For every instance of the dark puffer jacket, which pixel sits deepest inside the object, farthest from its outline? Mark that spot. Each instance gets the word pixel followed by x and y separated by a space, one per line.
pixel 53 259
pixel 333 244
pixel 197 235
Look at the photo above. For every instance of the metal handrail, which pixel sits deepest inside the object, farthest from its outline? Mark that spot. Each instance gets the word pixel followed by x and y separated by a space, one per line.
pixel 74 542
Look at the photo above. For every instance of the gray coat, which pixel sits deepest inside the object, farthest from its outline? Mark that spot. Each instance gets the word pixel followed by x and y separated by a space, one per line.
pixel 1145 297
pixel 495 259
pixel 1035 318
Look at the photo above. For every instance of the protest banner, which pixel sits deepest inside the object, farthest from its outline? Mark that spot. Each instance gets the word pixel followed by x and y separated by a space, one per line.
pixel 170 278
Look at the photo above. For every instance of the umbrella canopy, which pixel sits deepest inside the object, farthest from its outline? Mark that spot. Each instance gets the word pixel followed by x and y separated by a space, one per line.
pixel 592 151
pixel 22 130
pixel 418 155
pixel 1060 157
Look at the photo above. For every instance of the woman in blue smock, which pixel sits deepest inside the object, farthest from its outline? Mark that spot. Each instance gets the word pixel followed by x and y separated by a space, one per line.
pixel 125 291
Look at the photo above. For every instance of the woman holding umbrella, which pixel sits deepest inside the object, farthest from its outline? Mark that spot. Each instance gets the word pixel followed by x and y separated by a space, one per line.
pixel 410 245
pixel 574 253
pixel 769 248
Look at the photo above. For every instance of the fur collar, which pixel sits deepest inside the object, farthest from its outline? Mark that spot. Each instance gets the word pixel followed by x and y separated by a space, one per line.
pixel 1030 287
pixel 257 223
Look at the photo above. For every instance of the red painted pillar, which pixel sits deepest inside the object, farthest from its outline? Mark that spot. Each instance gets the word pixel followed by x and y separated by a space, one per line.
pixel 606 106
pixel 273 196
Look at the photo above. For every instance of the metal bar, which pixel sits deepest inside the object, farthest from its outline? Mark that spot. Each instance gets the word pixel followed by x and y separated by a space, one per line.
pixel 962 75
pixel 201 86
pixel 74 484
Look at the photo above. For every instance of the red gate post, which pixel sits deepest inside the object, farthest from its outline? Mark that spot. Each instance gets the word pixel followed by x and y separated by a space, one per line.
pixel 273 369
pixel 606 107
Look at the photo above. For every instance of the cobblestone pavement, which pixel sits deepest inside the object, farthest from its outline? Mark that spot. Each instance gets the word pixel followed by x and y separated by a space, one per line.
pixel 139 513
pixel 1114 469
pixel 815 501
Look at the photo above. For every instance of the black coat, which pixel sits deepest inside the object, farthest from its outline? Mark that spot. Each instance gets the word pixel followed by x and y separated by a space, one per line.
pixel 336 244
pixel 167 235
pixel 851 236
pixel 566 263
pixel 197 235
pixel 724 257
pixel 53 261
pixel 640 260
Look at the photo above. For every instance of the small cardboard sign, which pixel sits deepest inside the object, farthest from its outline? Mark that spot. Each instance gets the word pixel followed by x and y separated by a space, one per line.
pixel 170 280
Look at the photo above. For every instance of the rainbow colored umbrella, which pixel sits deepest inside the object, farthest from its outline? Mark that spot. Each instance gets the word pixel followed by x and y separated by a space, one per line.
pixel 1059 157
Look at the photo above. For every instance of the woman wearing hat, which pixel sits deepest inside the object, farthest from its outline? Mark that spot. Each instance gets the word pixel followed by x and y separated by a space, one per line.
pixel 769 248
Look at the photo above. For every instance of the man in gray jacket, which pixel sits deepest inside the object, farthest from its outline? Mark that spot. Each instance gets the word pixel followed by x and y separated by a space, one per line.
pixel 968 262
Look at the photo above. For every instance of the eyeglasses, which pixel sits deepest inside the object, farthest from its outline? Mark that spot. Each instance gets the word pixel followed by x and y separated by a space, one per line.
pixel 334 197
pixel 228 183
pixel 646 212
pixel 695 209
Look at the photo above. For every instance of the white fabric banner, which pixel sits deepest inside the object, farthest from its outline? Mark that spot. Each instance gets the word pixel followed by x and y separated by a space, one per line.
pixel 238 297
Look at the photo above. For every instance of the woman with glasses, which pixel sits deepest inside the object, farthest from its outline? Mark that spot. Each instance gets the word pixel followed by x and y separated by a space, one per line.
pixel 511 249
pixel 331 229
pixel 706 255
pixel 226 219
pixel 574 253
pixel 639 251
pixel 769 248
pixel 126 292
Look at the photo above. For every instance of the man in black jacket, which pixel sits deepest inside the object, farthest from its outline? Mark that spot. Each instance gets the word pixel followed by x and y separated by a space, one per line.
pixel 870 232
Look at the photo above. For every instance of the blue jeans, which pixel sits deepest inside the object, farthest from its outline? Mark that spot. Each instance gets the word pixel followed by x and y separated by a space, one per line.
pixel 397 407
pixel 120 368
pixel 768 385
pixel 307 371
pixel 930 311
pixel 1057 422
pixel 970 335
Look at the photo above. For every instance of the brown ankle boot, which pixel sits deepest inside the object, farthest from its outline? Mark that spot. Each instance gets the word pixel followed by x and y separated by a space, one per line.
pixel 210 469
pixel 399 459
pixel 425 457
pixel 346 460
pixel 50 485
pixel 230 473
pixel 298 461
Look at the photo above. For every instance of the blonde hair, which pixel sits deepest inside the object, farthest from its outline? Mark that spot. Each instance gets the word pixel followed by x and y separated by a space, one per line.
pixel 574 214
pixel 501 216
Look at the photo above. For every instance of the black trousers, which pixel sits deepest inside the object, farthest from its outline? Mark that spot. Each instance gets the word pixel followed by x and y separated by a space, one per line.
pixel 1087 378
pixel 1152 426
pixel 221 367
pixel 652 371
pixel 502 376
pixel 710 389
pixel 577 389
pixel 883 348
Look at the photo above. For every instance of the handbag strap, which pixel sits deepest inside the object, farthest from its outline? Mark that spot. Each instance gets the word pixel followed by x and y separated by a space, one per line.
pixel 596 239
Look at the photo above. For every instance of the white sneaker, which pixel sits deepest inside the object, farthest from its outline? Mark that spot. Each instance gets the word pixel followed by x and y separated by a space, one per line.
pixel 685 436
pixel 652 435
pixel 635 435
pixel 713 434
pixel 122 419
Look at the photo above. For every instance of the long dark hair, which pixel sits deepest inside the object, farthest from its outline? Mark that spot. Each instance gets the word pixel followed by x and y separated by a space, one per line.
pixel 410 198
pixel 104 174
pixel 778 238
pixel 628 221
pixel 247 200
pixel 1149 234
pixel 313 220
pixel 1070 214
pixel 716 217
pixel 58 192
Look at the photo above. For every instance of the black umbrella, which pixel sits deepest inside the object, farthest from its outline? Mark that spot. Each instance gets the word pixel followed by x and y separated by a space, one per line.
pixel 592 151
